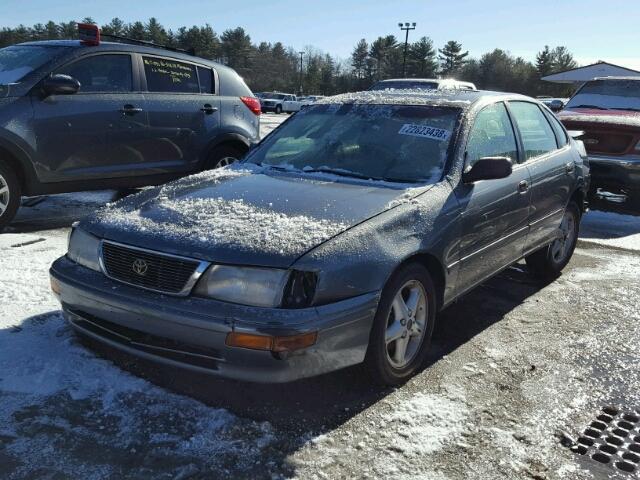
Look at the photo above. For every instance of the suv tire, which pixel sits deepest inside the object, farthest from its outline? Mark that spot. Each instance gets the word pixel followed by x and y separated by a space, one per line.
pixel 278 109
pixel 222 156
pixel 404 320
pixel 548 262
pixel 9 194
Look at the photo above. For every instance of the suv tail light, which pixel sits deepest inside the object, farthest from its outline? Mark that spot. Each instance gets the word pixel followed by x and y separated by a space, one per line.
pixel 252 104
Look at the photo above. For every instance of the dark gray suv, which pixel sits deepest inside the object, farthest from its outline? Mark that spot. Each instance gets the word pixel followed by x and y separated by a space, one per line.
pixel 114 115
pixel 335 241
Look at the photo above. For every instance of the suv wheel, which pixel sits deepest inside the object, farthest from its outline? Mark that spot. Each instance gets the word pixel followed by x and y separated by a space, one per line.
pixel 402 326
pixel 9 195
pixel 549 261
pixel 278 109
pixel 223 156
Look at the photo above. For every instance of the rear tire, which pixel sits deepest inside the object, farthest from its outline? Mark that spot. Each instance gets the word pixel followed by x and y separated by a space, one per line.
pixel 222 156
pixel 548 262
pixel 402 326
pixel 9 194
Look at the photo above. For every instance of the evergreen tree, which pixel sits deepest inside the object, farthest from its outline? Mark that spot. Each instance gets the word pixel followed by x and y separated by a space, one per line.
pixel 544 62
pixel 451 57
pixel 115 27
pixel 562 59
pixel 359 59
pixel 421 59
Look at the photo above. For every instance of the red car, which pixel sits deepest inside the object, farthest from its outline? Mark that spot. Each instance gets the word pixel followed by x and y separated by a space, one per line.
pixel 608 111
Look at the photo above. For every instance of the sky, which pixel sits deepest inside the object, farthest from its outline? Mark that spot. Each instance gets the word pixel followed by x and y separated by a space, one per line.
pixel 592 29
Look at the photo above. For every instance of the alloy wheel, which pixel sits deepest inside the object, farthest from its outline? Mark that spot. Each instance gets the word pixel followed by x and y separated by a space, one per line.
pixel 4 195
pixel 224 161
pixel 561 247
pixel 406 324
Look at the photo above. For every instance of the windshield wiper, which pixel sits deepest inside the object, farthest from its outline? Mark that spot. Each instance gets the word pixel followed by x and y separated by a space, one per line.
pixel 342 173
pixel 597 107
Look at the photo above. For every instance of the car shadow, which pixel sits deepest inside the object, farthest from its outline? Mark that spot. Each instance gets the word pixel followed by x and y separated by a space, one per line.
pixel 324 402
pixel 48 212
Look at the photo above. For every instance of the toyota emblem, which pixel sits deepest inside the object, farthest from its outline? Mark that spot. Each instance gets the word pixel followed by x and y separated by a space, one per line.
pixel 140 267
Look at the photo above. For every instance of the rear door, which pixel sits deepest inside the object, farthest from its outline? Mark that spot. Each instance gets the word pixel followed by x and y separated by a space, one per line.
pixel 495 213
pixel 77 134
pixel 548 156
pixel 183 111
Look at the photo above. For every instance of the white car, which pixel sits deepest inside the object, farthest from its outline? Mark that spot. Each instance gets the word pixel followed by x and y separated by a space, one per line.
pixel 279 102
pixel 422 84
pixel 310 100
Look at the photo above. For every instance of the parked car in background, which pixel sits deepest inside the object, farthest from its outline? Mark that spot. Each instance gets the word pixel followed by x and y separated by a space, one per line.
pixel 334 242
pixel 279 102
pixel 608 111
pixel 80 116
pixel 422 84
pixel 310 100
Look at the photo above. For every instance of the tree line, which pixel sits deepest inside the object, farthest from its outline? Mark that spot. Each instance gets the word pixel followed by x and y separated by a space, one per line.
pixel 273 66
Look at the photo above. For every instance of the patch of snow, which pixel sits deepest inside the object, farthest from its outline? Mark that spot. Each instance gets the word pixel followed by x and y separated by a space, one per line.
pixel 399 97
pixel 611 229
pixel 627 120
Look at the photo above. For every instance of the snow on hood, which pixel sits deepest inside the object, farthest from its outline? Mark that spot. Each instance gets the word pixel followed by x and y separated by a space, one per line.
pixel 243 214
pixel 611 117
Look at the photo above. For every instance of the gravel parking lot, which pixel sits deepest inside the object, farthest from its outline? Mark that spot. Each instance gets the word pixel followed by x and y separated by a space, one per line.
pixel 517 369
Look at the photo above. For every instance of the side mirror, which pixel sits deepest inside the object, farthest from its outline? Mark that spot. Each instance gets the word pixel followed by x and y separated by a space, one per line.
pixel 556 105
pixel 488 168
pixel 60 84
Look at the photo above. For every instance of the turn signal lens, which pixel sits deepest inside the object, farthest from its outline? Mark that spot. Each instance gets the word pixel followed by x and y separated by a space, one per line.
pixel 274 344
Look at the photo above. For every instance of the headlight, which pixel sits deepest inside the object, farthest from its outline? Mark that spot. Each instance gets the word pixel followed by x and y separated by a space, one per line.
pixel 83 249
pixel 260 287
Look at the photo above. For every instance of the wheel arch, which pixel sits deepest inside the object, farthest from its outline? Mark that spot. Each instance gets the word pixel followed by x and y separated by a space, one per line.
pixel 234 140
pixel 12 157
pixel 435 269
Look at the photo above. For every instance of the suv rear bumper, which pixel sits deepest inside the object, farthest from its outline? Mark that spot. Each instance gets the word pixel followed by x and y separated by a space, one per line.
pixel 191 332
pixel 615 172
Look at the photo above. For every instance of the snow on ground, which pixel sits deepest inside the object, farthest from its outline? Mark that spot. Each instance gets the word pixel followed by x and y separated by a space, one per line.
pixel 611 229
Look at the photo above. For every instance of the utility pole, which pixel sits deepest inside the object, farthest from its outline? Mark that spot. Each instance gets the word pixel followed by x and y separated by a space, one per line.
pixel 406 27
pixel 300 90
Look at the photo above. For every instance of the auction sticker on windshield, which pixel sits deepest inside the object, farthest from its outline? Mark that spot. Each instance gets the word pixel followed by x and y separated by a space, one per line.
pixel 424 131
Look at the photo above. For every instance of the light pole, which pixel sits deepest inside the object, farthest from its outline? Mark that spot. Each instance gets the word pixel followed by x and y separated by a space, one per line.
pixel 300 91
pixel 406 27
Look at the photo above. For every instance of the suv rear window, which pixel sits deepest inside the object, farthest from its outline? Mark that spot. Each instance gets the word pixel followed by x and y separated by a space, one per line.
pixel 166 75
pixel 101 73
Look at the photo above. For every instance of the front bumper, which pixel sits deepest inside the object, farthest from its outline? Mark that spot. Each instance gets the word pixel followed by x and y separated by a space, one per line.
pixel 615 172
pixel 191 332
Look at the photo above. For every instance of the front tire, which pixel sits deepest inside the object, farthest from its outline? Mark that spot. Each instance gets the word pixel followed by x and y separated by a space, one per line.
pixel 548 262
pixel 278 109
pixel 402 326
pixel 9 194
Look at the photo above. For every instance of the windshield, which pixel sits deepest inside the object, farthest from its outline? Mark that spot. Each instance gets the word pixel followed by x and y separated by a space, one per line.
pixel 608 94
pixel 381 142
pixel 19 60
pixel 405 84
pixel 275 96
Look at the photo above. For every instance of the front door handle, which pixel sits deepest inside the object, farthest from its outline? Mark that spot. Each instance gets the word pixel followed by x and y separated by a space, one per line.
pixel 570 167
pixel 130 110
pixel 208 109
pixel 523 186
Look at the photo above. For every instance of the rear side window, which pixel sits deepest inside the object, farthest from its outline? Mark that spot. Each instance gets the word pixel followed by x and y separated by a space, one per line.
pixel 537 135
pixel 205 76
pixel 101 73
pixel 171 76
pixel 492 135
pixel 561 136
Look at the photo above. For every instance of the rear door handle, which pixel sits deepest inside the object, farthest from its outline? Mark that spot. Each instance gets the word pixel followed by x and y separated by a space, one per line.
pixel 208 109
pixel 523 186
pixel 570 167
pixel 130 110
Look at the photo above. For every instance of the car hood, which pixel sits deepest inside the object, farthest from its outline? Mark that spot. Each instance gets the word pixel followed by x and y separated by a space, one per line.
pixel 581 117
pixel 248 216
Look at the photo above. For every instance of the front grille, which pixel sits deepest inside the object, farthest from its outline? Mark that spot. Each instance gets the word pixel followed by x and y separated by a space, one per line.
pixel 155 271
pixel 603 142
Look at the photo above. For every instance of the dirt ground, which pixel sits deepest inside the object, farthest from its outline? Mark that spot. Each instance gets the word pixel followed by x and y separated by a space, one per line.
pixel 516 371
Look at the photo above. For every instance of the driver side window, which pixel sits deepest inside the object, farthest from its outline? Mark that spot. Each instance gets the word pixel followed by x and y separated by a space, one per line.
pixel 492 135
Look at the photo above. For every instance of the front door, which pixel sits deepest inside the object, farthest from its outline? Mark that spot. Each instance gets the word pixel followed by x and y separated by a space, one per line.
pixel 183 110
pixel 76 135
pixel 495 213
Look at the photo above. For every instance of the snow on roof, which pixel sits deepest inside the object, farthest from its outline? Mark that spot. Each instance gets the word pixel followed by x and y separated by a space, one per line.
pixel 453 98
pixel 589 72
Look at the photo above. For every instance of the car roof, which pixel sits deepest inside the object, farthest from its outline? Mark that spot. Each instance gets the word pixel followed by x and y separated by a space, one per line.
pixel 617 78
pixel 419 80
pixel 453 98
pixel 122 47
